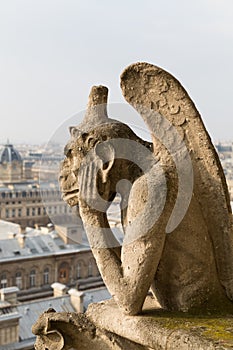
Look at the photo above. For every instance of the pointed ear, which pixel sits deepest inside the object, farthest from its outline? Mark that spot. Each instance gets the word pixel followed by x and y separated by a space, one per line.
pixel 74 132
pixel 71 130
pixel 106 153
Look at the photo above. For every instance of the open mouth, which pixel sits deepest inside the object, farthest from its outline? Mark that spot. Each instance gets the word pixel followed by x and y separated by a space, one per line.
pixel 66 196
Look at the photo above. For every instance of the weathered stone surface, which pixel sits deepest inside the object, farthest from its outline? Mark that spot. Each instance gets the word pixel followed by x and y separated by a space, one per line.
pixel 63 331
pixel 176 217
pixel 166 95
pixel 154 329
pixel 178 229
pixel 158 329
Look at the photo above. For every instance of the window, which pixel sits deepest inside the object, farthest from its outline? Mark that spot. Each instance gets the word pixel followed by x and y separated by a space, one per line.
pixel 32 278
pixel 33 211
pixel 18 280
pixel 16 252
pixel 79 271
pixel 3 282
pixel 46 276
pixel 7 213
pixel 63 273
pixel 90 269
pixel 39 211
pixel 28 211
pixel 19 212
pixel 13 213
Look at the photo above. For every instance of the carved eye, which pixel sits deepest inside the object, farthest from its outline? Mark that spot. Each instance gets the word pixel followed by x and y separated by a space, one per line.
pixel 67 151
pixel 79 149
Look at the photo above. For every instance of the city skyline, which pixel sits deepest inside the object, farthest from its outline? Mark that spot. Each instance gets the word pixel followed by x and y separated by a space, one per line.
pixel 53 52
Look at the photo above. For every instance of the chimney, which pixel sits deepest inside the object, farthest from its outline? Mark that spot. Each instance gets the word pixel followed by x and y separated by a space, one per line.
pixel 22 229
pixel 70 233
pixel 21 240
pixel 50 227
pixel 22 236
pixel 59 289
pixel 9 295
pixel 46 229
pixel 76 299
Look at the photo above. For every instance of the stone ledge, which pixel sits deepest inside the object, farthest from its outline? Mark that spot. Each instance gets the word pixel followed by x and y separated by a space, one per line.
pixel 105 327
pixel 74 331
pixel 156 329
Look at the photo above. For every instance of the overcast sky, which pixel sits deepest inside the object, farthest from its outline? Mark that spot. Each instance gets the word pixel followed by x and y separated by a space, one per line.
pixel 52 51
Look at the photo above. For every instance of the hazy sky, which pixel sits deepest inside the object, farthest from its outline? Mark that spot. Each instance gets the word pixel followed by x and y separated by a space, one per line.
pixel 52 51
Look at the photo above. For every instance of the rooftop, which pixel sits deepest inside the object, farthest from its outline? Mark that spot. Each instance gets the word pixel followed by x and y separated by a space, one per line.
pixel 36 243
pixel 28 313
pixel 9 154
pixel 29 185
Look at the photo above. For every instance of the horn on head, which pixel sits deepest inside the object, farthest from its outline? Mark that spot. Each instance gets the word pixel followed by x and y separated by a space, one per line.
pixel 97 106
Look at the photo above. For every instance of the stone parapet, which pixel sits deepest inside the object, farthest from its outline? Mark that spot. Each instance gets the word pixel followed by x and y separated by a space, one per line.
pixel 104 327
pixel 157 329
pixel 74 331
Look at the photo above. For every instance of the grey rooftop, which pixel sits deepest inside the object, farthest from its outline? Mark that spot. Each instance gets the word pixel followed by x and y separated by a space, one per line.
pixel 36 243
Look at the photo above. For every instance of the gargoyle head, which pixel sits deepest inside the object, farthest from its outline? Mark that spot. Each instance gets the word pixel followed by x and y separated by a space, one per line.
pixel 96 134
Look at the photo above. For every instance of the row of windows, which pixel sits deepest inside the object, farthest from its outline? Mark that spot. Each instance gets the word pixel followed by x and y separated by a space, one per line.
pixel 19 279
pixel 48 193
pixel 36 193
pixel 9 203
pixel 63 274
pixel 20 194
pixel 20 202
pixel 12 213
pixel 64 270
pixel 79 270
pixel 61 209
pixel 17 212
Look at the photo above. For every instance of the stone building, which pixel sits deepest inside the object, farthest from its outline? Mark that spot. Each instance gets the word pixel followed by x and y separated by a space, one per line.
pixel 11 164
pixel 25 200
pixel 22 203
pixel 34 259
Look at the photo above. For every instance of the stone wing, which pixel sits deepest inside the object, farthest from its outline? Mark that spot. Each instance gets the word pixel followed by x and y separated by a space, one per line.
pixel 147 86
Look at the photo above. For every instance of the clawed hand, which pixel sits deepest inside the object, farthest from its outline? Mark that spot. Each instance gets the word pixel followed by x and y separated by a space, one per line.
pixel 91 185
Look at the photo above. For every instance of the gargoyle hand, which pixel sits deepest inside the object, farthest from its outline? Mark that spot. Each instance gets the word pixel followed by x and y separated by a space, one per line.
pixel 91 187
pixel 94 178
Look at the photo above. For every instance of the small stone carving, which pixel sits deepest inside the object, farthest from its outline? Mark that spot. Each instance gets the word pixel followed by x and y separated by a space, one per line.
pixel 175 206
pixel 63 331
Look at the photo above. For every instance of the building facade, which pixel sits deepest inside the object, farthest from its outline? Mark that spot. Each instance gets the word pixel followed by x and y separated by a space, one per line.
pixel 26 200
pixel 33 260
pixel 32 204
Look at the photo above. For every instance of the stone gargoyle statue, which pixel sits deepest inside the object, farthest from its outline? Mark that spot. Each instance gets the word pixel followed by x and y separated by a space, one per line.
pixel 175 207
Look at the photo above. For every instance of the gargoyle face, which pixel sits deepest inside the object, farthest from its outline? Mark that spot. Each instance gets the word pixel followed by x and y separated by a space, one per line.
pixel 69 184
pixel 76 152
